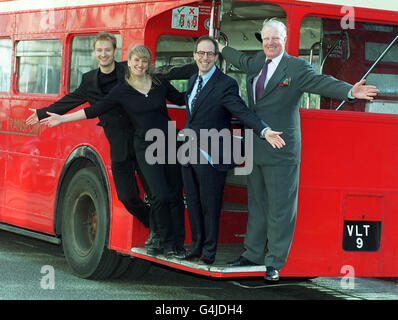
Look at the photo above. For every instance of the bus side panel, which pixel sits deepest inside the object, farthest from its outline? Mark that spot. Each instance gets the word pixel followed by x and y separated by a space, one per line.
pixel 26 204
pixel 49 21
pixel 349 172
pixel 389 241
pixel 316 240
pixel 125 232
pixel 31 177
pixel 5 109
pixel 3 156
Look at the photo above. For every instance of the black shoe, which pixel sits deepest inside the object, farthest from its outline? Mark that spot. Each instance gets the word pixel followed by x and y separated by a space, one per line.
pixel 187 255
pixel 180 251
pixel 155 247
pixel 153 237
pixel 241 262
pixel 169 254
pixel 271 275
pixel 206 260
pixel 154 251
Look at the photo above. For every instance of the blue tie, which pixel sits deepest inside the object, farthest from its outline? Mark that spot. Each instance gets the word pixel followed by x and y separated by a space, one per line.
pixel 261 80
pixel 195 98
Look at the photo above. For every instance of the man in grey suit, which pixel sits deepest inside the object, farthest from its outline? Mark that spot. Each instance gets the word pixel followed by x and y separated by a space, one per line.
pixel 275 82
pixel 212 99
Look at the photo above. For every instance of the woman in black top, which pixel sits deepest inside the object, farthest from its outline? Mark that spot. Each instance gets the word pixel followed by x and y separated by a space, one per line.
pixel 143 96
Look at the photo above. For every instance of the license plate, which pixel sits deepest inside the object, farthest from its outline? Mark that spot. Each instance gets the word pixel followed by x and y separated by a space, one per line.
pixel 361 236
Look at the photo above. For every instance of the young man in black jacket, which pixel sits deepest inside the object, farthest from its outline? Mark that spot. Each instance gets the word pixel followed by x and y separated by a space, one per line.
pixel 94 86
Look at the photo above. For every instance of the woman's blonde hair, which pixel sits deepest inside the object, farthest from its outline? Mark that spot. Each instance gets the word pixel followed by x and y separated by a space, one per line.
pixel 140 51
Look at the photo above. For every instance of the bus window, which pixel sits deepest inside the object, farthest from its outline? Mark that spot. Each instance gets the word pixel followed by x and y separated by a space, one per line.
pixel 39 66
pixel 176 51
pixel 309 50
pixel 387 79
pixel 239 23
pixel 347 54
pixel 83 58
pixel 5 64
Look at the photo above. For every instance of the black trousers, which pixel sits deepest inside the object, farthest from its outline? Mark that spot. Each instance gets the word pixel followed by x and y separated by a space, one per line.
pixel 167 203
pixel 204 188
pixel 124 176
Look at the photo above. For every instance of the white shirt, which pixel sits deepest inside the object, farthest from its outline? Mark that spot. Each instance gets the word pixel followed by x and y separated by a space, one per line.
pixel 271 70
pixel 206 77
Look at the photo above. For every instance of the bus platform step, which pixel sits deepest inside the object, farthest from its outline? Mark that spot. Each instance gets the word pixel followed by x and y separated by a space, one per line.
pixel 225 254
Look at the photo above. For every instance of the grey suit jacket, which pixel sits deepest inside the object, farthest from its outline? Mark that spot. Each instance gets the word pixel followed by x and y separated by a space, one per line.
pixel 279 104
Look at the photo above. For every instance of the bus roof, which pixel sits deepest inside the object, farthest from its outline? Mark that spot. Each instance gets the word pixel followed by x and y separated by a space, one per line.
pixel 23 5
pixel 390 5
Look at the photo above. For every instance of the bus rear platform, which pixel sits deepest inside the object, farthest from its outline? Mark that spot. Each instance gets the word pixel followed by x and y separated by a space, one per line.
pixel 219 269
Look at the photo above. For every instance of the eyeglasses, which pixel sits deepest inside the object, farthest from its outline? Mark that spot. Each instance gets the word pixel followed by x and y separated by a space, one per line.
pixel 201 54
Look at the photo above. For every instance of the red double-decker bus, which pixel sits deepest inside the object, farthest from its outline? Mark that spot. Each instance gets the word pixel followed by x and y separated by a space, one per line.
pixel 348 195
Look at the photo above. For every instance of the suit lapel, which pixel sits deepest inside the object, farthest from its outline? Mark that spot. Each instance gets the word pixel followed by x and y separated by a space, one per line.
pixel 277 77
pixel 206 90
pixel 257 66
pixel 249 88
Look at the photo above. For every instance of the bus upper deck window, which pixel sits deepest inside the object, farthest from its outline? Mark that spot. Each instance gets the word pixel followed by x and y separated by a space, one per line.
pixel 39 66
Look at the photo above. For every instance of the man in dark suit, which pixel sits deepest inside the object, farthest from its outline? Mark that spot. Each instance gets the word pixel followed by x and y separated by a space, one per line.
pixel 275 82
pixel 94 86
pixel 212 98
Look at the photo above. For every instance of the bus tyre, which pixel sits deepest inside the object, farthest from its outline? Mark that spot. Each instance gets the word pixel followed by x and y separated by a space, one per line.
pixel 85 227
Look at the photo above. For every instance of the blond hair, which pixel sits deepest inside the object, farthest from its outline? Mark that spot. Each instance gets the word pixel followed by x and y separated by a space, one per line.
pixel 140 51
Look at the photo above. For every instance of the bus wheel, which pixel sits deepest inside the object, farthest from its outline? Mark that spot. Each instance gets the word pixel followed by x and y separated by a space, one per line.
pixel 85 227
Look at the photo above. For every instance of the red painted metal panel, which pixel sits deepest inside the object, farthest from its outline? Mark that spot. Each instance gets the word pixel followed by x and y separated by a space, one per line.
pixel 6 24
pixel 389 240
pixel 135 15
pixel 3 168
pixel 349 150
pixel 95 18
pixel 25 204
pixel 39 22
pixel 363 207
pixel 349 166
pixel 316 240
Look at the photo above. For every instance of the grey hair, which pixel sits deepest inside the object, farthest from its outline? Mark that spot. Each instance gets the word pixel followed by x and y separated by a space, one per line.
pixel 274 22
